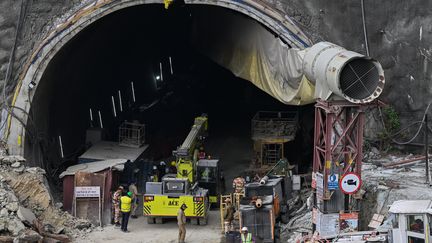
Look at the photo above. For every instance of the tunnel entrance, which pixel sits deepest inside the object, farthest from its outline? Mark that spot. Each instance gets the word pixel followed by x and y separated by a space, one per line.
pixel 124 53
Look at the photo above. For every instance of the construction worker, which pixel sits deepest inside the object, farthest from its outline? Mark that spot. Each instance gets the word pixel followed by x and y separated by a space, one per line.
pixel 134 190
pixel 181 221
pixel 228 215
pixel 116 205
pixel 201 154
pixel 205 175
pixel 173 168
pixel 162 167
pixel 125 207
pixel 238 184
pixel 155 177
pixel 246 237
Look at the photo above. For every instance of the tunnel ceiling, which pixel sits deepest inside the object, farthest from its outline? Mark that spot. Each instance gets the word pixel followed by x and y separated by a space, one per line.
pixel 128 46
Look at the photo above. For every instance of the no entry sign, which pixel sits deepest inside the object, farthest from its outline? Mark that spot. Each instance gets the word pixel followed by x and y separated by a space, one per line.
pixel 350 183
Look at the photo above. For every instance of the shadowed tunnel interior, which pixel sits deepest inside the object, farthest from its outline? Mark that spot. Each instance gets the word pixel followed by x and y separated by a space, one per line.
pixel 128 46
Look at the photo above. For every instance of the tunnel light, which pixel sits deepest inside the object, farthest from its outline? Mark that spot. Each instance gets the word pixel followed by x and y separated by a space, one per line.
pixel 31 85
pixel 100 119
pixel 120 101
pixel 161 71
pixel 61 146
pixel 171 68
pixel 113 105
pixel 91 115
pixel 133 91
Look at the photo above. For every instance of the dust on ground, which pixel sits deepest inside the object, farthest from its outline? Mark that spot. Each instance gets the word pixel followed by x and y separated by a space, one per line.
pixel 141 232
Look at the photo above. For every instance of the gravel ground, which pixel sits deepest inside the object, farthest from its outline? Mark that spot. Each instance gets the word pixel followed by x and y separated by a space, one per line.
pixel 142 232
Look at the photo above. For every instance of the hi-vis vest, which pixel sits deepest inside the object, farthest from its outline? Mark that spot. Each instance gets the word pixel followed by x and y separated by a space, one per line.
pixel 125 204
pixel 248 238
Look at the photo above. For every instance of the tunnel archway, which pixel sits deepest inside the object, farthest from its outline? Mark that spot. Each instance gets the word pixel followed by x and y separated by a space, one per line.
pixel 31 84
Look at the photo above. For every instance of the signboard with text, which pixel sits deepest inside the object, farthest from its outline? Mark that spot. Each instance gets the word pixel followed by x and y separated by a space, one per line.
pixel 87 191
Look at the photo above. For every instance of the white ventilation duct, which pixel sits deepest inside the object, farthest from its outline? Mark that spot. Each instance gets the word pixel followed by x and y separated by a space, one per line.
pixel 339 73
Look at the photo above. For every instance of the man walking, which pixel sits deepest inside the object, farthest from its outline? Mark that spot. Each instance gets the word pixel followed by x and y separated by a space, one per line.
pixel 134 190
pixel 125 206
pixel 116 205
pixel 181 221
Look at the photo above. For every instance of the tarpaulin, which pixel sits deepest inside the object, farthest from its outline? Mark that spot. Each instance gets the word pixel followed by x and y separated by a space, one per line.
pixel 254 53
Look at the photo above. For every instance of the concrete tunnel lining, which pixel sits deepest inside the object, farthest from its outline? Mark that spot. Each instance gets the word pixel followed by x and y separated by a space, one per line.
pixel 64 32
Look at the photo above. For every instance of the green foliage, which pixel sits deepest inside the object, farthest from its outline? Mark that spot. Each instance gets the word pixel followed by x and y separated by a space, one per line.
pixel 391 119
pixel 392 125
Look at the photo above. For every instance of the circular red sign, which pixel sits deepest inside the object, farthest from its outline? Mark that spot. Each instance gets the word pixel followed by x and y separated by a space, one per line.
pixel 350 183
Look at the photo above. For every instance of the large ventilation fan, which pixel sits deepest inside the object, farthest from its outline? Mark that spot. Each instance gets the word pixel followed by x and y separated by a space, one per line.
pixel 339 73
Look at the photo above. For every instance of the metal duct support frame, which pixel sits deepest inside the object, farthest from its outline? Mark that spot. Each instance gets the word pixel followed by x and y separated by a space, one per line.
pixel 346 74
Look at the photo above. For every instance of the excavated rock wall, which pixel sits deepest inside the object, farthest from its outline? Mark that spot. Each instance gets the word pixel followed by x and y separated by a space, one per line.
pixel 399 36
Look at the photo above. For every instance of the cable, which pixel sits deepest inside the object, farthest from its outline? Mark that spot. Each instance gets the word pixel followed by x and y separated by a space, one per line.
pixel 23 11
pixel 364 27
pixel 415 135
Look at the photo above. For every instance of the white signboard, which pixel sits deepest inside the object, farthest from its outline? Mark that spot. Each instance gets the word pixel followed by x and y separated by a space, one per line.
pixel 328 224
pixel 350 183
pixel 319 185
pixel 87 191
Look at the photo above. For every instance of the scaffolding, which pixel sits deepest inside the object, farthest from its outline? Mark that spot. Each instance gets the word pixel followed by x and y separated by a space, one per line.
pixel 270 130
pixel 131 134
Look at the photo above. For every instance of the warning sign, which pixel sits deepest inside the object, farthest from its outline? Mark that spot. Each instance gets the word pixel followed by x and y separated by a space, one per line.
pixel 348 222
pixel 87 191
pixel 350 183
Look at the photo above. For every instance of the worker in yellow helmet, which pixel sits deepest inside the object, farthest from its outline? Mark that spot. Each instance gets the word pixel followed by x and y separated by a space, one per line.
pixel 125 208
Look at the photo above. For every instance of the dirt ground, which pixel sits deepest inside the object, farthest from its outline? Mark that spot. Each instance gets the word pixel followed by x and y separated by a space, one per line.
pixel 141 232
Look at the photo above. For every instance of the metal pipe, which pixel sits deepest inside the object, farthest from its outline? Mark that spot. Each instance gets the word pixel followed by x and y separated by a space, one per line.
pixel 264 180
pixel 428 181
pixel 258 203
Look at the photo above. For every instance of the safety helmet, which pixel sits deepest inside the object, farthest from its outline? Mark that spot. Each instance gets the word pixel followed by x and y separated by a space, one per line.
pixel 162 163
pixel 154 167
pixel 129 194
pixel 173 163
pixel 244 229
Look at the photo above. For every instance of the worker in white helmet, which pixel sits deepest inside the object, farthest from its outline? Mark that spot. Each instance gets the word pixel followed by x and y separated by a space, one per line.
pixel 155 174
pixel 246 237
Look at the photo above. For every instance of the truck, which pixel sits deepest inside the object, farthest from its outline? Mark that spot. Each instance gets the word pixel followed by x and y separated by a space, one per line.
pixel 191 185
pixel 163 200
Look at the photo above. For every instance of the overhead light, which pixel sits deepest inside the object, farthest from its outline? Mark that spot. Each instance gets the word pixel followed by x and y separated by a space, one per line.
pixel 31 85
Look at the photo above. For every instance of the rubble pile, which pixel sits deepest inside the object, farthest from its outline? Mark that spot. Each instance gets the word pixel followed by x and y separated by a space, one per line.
pixel 27 210
pixel 300 216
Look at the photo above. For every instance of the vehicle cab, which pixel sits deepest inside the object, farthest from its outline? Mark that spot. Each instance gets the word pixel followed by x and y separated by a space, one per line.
pixel 411 221
pixel 208 176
